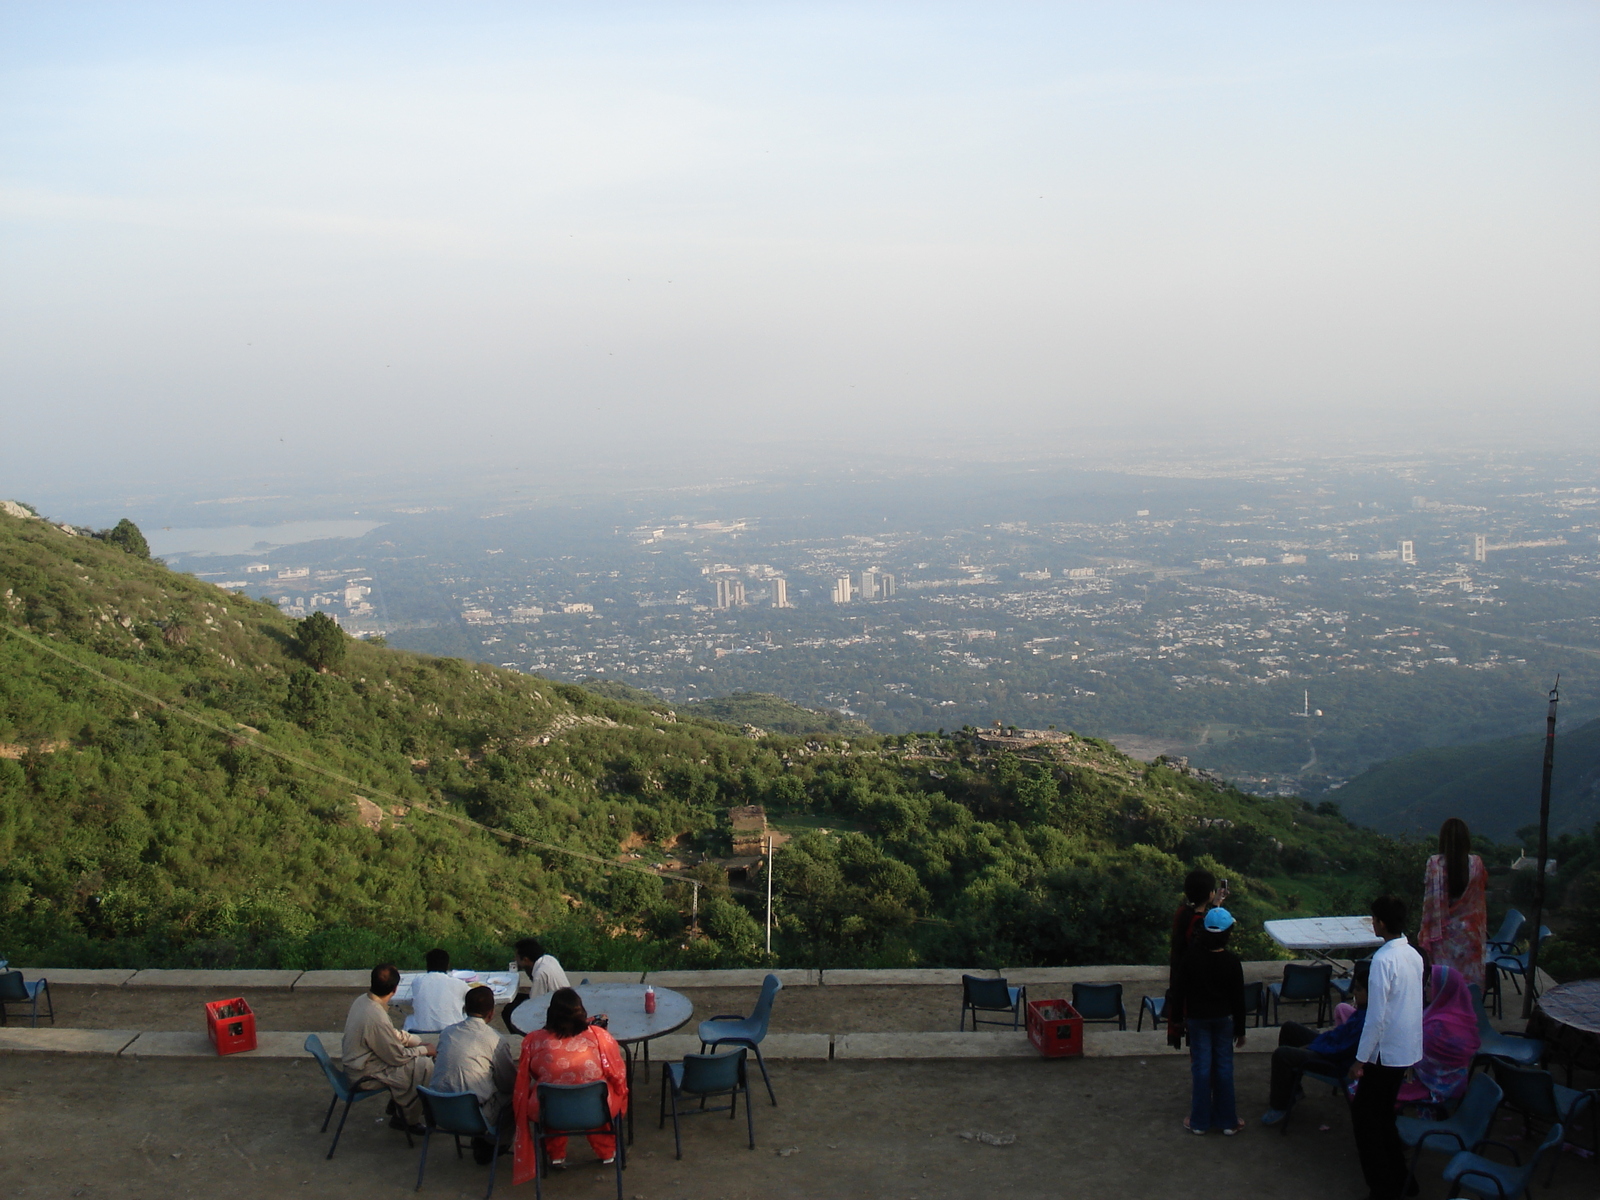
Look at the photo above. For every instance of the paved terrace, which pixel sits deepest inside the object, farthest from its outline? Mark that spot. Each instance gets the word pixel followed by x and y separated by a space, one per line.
pixel 125 1098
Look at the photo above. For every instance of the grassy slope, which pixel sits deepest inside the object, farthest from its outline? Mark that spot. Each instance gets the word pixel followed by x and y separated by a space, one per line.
pixel 1493 786
pixel 128 833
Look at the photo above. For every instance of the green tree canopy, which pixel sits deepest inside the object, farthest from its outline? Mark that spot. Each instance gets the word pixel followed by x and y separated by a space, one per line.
pixel 320 641
pixel 126 535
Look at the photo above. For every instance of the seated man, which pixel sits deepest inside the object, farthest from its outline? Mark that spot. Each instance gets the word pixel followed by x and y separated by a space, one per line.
pixel 474 1058
pixel 544 975
pixel 374 1049
pixel 1302 1049
pixel 436 996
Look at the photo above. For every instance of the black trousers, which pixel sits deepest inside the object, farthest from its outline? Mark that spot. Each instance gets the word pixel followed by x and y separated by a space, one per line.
pixel 1290 1059
pixel 1383 1155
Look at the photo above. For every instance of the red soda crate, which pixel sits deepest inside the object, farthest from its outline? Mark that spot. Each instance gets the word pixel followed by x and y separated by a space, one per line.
pixel 1055 1028
pixel 231 1025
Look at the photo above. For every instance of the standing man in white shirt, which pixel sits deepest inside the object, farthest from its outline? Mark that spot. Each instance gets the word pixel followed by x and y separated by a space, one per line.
pixel 436 996
pixel 1391 1041
pixel 544 975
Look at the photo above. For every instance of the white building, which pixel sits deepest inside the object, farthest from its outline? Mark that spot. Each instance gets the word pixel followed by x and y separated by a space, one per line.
pixel 1480 547
pixel 841 590
pixel 1408 550
pixel 780 593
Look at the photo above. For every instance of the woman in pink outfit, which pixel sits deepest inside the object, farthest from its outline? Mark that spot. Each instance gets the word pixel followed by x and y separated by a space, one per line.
pixel 1450 1041
pixel 1455 915
pixel 567 1050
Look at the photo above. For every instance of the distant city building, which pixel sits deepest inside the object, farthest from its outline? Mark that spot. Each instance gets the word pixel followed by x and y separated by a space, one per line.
pixel 1292 559
pixel 869 585
pixel 1480 547
pixel 1408 550
pixel 780 593
pixel 257 568
pixel 577 608
pixel 730 593
pixel 886 586
pixel 841 590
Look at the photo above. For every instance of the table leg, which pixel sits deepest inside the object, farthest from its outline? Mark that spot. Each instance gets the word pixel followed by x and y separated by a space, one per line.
pixel 633 1100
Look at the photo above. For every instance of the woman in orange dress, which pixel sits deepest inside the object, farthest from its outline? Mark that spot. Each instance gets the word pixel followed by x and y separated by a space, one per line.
pixel 1455 916
pixel 567 1050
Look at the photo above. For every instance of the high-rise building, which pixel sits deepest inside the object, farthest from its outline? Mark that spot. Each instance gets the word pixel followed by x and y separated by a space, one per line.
pixel 869 584
pixel 1408 550
pixel 841 590
pixel 886 585
pixel 1480 547
pixel 780 593
pixel 730 593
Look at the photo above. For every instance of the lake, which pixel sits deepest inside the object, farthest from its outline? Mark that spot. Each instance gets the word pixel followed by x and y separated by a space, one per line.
pixel 250 539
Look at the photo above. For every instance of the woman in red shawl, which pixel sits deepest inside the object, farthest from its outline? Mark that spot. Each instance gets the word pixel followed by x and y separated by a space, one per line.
pixel 567 1050
pixel 1455 915
pixel 1449 1042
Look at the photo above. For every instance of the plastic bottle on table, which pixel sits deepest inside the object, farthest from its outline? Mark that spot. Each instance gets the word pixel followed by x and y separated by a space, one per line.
pixel 649 999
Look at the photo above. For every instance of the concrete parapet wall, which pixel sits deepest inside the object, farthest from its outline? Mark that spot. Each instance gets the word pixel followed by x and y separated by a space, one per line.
pixel 223 980
pixel 66 1041
pixel 342 981
pixel 933 1045
pixel 71 976
pixel 744 978
pixel 924 976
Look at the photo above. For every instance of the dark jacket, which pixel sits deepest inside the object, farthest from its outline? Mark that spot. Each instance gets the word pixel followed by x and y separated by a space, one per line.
pixel 1338 1045
pixel 1209 984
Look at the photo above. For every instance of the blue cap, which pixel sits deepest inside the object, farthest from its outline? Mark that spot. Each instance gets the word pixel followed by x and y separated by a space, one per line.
pixel 1218 920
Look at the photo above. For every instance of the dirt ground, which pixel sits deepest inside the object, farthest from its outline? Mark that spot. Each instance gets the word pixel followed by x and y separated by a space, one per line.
pixel 153 1129
pixel 834 1009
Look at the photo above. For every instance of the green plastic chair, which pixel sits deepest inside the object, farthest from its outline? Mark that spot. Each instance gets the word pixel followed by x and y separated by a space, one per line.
pixel 14 989
pixel 700 1077
pixel 1465 1129
pixel 1538 1097
pixel 1489 1180
pixel 343 1089
pixel 1492 1044
pixel 982 994
pixel 1100 1002
pixel 460 1115
pixel 735 1030
pixel 568 1108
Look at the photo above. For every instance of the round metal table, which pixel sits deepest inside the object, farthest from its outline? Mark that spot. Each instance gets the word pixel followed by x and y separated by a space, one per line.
pixel 1567 1018
pixel 623 1003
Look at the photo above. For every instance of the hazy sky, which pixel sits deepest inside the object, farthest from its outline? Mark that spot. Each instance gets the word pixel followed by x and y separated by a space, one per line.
pixel 247 238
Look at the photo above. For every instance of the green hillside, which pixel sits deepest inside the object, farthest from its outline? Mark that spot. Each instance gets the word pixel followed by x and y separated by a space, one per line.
pixel 776 715
pixel 188 777
pixel 1493 786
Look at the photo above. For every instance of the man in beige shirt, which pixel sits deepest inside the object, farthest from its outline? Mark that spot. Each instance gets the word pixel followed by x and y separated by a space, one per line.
pixel 374 1049
pixel 474 1058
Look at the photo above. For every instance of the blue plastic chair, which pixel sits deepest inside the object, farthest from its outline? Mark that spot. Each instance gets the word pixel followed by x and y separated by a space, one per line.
pixel 1465 1129
pixel 1301 984
pixel 14 989
pixel 734 1030
pixel 982 994
pixel 460 1115
pixel 1100 1002
pixel 700 1077
pixel 1538 1097
pixel 1255 1002
pixel 1510 933
pixel 1156 1006
pixel 1490 1180
pixel 343 1089
pixel 1524 1051
pixel 568 1108
pixel 1515 968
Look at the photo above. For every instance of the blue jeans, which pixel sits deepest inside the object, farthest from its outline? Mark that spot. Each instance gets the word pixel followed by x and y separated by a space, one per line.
pixel 1211 1069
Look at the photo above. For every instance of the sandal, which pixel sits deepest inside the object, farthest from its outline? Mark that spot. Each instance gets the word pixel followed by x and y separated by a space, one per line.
pixel 1197 1132
pixel 1237 1128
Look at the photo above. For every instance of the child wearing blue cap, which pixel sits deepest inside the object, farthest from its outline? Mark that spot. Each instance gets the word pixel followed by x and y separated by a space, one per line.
pixel 1209 985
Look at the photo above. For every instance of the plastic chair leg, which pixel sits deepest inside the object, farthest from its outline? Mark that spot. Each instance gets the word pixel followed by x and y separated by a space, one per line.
pixel 762 1063
pixel 422 1163
pixel 494 1163
pixel 749 1116
pixel 329 1115
pixel 339 1132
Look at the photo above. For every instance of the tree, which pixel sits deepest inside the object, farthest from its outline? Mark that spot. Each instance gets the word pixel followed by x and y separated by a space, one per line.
pixel 126 535
pixel 320 641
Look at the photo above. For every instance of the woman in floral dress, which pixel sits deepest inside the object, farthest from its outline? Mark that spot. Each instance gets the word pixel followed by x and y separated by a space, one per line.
pixel 567 1050
pixel 1455 914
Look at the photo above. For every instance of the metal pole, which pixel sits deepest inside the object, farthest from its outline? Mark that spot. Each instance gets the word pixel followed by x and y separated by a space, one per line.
pixel 769 894
pixel 694 913
pixel 1544 848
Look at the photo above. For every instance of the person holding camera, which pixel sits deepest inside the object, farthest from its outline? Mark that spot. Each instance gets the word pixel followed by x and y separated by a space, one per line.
pixel 1209 987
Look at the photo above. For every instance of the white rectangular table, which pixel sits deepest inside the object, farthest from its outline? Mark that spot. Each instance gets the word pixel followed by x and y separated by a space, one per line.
pixel 1319 937
pixel 502 983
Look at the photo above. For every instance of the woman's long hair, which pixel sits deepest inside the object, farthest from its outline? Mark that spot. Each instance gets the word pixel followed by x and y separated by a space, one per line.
pixel 567 1016
pixel 1455 846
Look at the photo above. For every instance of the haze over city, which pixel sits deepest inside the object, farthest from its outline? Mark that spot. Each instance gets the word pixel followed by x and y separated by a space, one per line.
pixel 294 242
